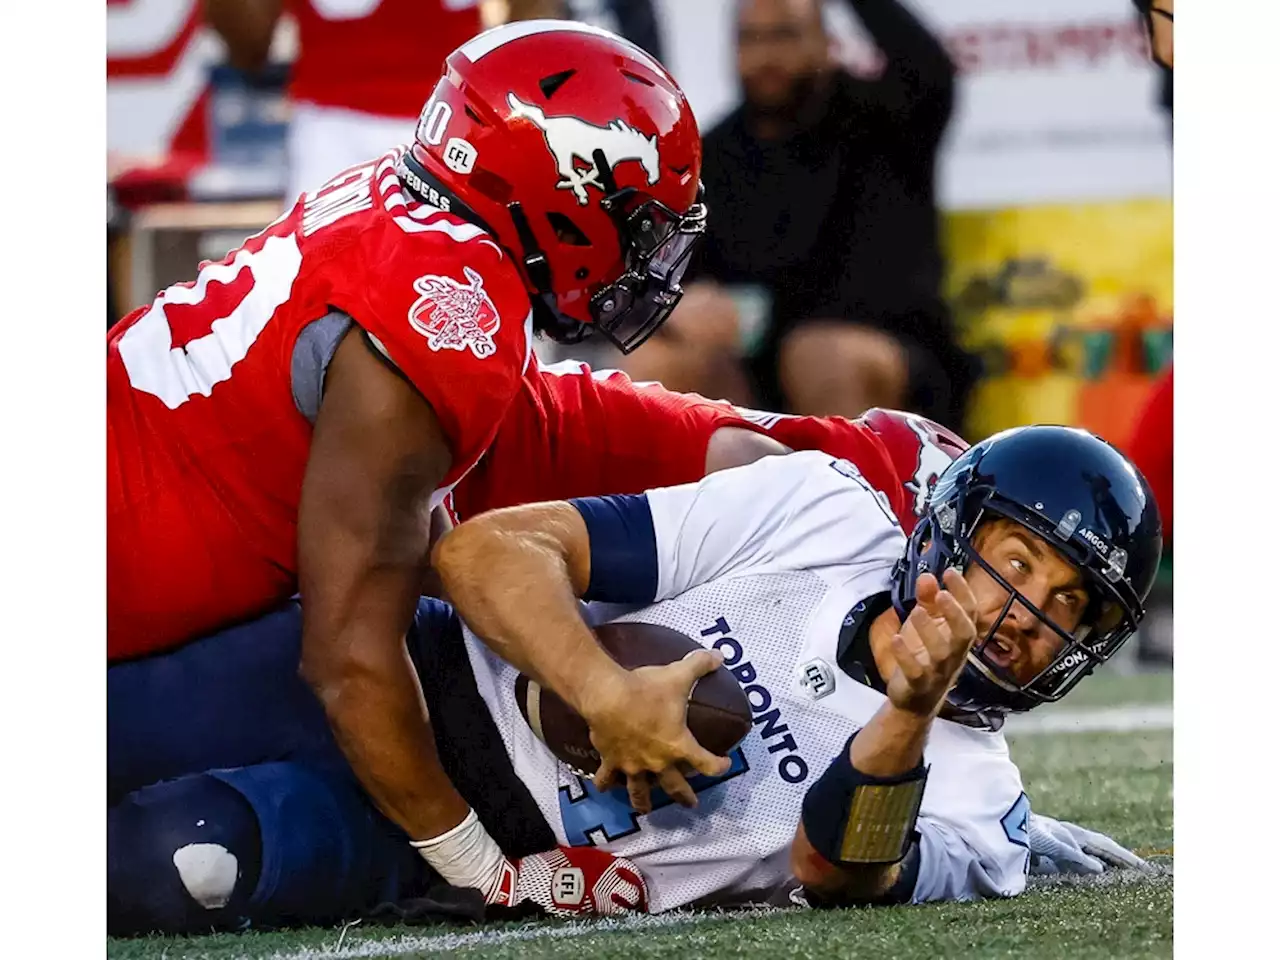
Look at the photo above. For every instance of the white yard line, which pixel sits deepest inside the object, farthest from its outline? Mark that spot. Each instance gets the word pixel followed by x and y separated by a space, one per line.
pixel 1157 716
pixel 445 942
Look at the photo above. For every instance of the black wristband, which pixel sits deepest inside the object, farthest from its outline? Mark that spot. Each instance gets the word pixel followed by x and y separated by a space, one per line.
pixel 854 818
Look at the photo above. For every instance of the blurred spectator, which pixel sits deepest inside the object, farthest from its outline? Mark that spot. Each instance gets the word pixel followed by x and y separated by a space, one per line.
pixel 634 19
pixel 363 71
pixel 821 191
pixel 117 228
pixel 1157 20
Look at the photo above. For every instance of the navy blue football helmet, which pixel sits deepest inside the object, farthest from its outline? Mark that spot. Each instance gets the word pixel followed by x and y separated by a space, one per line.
pixel 1080 495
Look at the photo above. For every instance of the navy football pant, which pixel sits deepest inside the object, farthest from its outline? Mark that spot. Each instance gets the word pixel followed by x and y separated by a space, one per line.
pixel 231 804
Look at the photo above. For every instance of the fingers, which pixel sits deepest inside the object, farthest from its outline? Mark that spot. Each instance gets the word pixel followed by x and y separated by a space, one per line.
pixel 1113 855
pixel 962 628
pixel 605 774
pixel 638 791
pixel 959 588
pixel 677 787
pixel 698 663
pixel 703 760
pixel 926 589
pixel 910 655
pixel 936 643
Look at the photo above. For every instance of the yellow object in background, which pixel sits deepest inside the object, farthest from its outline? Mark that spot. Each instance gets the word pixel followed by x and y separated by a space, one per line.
pixel 1070 308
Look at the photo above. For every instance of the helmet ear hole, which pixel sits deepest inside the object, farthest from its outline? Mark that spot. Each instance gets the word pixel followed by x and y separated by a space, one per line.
pixel 492 186
pixel 566 230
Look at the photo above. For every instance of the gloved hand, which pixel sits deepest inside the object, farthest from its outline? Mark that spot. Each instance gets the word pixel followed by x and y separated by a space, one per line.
pixel 576 882
pixel 1059 847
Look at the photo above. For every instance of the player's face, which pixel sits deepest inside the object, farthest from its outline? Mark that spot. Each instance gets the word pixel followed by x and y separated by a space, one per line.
pixel 782 47
pixel 1023 644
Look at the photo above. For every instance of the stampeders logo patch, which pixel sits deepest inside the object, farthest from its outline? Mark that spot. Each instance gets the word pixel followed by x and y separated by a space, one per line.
pixel 454 315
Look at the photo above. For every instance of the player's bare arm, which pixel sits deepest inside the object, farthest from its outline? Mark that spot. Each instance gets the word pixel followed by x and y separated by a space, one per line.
pixel 737 446
pixel 363 542
pixel 925 655
pixel 514 576
pixel 247 27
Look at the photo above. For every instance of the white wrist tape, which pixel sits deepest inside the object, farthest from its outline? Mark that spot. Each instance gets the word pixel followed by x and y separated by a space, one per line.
pixel 465 856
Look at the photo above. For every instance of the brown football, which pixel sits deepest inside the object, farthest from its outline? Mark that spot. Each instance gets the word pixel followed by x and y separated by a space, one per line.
pixel 719 715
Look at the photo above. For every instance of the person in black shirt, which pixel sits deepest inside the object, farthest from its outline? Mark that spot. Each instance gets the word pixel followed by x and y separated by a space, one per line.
pixel 820 187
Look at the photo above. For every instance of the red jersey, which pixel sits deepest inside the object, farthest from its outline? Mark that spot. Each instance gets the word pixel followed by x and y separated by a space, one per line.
pixel 376 56
pixel 206 444
pixel 574 432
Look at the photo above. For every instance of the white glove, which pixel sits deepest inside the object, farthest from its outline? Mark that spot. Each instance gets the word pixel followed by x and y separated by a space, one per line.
pixel 1061 847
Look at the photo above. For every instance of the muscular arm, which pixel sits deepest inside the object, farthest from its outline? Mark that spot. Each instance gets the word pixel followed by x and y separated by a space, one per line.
pixel 377 455
pixel 514 576
pixel 890 744
pixel 246 26
pixel 738 446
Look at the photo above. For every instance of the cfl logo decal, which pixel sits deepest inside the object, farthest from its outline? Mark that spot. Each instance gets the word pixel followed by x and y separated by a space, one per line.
pixel 568 886
pixel 818 679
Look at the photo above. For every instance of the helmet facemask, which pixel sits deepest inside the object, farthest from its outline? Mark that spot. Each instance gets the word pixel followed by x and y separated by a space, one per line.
pixel 657 244
pixel 945 538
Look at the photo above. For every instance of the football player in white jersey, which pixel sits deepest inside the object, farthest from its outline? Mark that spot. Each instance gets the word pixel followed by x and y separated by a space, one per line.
pixel 847 645
pixel 878 668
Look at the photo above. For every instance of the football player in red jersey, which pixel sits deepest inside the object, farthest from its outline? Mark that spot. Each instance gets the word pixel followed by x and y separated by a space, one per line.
pixel 363 67
pixel 577 432
pixel 283 423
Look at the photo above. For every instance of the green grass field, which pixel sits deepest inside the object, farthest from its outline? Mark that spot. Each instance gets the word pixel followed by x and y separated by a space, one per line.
pixel 1117 781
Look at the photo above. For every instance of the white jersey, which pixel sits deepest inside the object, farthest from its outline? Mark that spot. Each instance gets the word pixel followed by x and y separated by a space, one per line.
pixel 763 563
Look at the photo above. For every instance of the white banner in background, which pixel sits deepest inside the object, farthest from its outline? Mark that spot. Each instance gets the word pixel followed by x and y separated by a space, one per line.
pixel 1057 101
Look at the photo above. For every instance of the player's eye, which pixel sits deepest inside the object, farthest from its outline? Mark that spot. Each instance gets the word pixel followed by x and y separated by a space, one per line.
pixel 1068 600
pixel 1019 565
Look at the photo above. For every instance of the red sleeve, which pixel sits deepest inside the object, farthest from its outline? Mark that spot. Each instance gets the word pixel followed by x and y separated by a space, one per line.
pixel 852 441
pixel 574 432
pixel 450 311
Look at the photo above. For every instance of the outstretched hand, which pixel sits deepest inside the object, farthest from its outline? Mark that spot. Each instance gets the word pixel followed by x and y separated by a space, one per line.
pixel 930 648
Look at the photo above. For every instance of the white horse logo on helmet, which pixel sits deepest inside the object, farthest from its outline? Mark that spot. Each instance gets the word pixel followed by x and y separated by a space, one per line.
pixel 571 138
pixel 933 461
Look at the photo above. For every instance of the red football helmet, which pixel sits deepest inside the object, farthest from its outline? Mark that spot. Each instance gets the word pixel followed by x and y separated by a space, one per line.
pixel 580 152
pixel 919 448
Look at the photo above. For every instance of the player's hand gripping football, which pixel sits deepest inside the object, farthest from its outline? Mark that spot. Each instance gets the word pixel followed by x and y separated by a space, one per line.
pixel 639 726
pixel 930 647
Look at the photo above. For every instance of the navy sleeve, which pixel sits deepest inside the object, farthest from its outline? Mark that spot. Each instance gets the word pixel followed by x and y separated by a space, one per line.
pixel 624 550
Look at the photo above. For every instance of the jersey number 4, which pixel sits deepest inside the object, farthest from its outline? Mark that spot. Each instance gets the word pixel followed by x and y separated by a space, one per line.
pixel 233 310
pixel 1017 824
pixel 610 813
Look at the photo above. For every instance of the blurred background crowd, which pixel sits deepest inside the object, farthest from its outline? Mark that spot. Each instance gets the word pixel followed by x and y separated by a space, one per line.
pixel 961 208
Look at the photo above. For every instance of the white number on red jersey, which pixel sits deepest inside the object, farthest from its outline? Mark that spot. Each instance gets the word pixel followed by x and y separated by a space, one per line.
pixel 236 318
pixel 236 315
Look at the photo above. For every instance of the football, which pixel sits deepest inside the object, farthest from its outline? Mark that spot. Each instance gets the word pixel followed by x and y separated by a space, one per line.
pixel 719 715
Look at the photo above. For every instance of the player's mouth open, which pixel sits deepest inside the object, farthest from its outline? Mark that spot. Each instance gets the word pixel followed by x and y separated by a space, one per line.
pixel 1001 651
